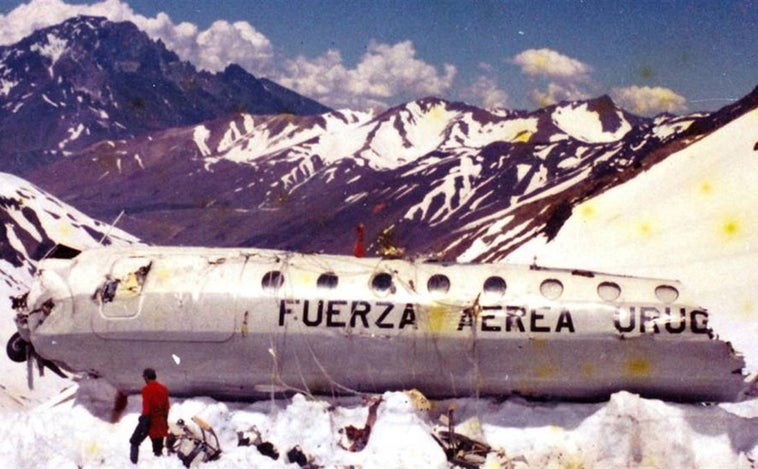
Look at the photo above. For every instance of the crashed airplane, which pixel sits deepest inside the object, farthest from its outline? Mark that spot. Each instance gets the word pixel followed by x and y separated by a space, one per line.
pixel 244 323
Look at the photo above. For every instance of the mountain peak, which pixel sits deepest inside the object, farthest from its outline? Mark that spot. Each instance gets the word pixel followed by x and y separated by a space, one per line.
pixel 89 79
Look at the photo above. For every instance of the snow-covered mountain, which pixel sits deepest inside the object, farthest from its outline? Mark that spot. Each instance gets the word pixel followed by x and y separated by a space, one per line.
pixel 89 79
pixel 437 177
pixel 33 223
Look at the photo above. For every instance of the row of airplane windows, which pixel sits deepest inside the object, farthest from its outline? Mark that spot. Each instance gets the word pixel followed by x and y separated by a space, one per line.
pixel 439 284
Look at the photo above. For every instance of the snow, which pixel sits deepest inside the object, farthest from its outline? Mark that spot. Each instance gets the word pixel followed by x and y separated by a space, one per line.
pixel 53 50
pixel 455 189
pixel 626 431
pixel 201 135
pixel 49 101
pixel 585 125
pixel 507 130
pixel 6 86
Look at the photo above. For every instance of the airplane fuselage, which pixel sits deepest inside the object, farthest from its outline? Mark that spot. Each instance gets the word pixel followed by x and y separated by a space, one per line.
pixel 241 323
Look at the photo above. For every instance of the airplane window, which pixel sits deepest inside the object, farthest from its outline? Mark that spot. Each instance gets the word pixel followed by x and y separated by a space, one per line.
pixel 272 280
pixel 494 286
pixel 666 293
pixel 382 282
pixel 608 291
pixel 328 280
pixel 438 283
pixel 551 289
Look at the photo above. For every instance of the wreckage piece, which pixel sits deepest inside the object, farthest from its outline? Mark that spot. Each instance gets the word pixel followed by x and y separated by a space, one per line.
pixel 357 438
pixel 461 450
pixel 243 323
pixel 252 437
pixel 190 447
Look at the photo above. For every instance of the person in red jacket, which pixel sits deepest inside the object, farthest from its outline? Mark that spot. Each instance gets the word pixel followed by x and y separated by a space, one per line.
pixel 153 421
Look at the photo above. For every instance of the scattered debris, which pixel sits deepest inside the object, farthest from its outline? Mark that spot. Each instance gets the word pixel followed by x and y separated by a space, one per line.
pixel 191 447
pixel 252 437
pixel 466 452
pixel 296 456
pixel 388 247
pixel 357 438
pixel 420 402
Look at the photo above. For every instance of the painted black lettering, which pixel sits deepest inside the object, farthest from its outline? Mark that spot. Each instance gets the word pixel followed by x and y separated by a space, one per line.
pixel 284 310
pixel 632 320
pixel 699 322
pixel 359 309
pixel 333 310
pixel 513 317
pixel 565 320
pixel 488 317
pixel 319 313
pixel 382 317
pixel 534 317
pixel 649 314
pixel 467 319
pixel 409 317
pixel 682 324
pixel 489 327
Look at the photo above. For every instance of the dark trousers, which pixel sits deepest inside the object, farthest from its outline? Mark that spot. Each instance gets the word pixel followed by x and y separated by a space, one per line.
pixel 139 435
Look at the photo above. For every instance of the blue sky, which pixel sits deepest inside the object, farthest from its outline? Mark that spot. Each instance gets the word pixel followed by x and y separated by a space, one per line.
pixel 678 56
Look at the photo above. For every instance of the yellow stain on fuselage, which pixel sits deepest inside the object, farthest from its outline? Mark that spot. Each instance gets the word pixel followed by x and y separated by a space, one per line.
pixel 545 371
pixel 441 319
pixel 588 370
pixel 638 367
pixel 163 275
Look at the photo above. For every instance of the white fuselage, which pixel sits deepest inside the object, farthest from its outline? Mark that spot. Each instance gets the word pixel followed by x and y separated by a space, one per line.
pixel 241 322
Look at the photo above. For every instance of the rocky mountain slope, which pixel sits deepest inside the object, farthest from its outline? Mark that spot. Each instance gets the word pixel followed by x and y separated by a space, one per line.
pixel 89 79
pixel 432 177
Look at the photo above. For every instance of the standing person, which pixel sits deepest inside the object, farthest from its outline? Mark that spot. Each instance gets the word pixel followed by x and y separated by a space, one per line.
pixel 153 421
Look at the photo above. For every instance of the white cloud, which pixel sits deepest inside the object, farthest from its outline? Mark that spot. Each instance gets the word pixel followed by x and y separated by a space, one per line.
pixel 224 43
pixel 486 91
pixel 26 18
pixel 555 93
pixel 555 77
pixel 549 63
pixel 648 101
pixel 384 71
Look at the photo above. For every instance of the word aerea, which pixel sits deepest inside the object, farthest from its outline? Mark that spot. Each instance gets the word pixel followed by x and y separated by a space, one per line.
pixel 519 319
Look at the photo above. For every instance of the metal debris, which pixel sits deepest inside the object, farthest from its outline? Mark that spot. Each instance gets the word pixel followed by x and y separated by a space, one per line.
pixel 357 438
pixel 191 447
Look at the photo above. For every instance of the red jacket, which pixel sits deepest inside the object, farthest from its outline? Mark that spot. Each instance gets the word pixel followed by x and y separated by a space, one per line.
pixel 155 405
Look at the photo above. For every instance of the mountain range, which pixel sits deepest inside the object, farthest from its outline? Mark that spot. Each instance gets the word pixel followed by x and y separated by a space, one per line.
pixel 429 178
